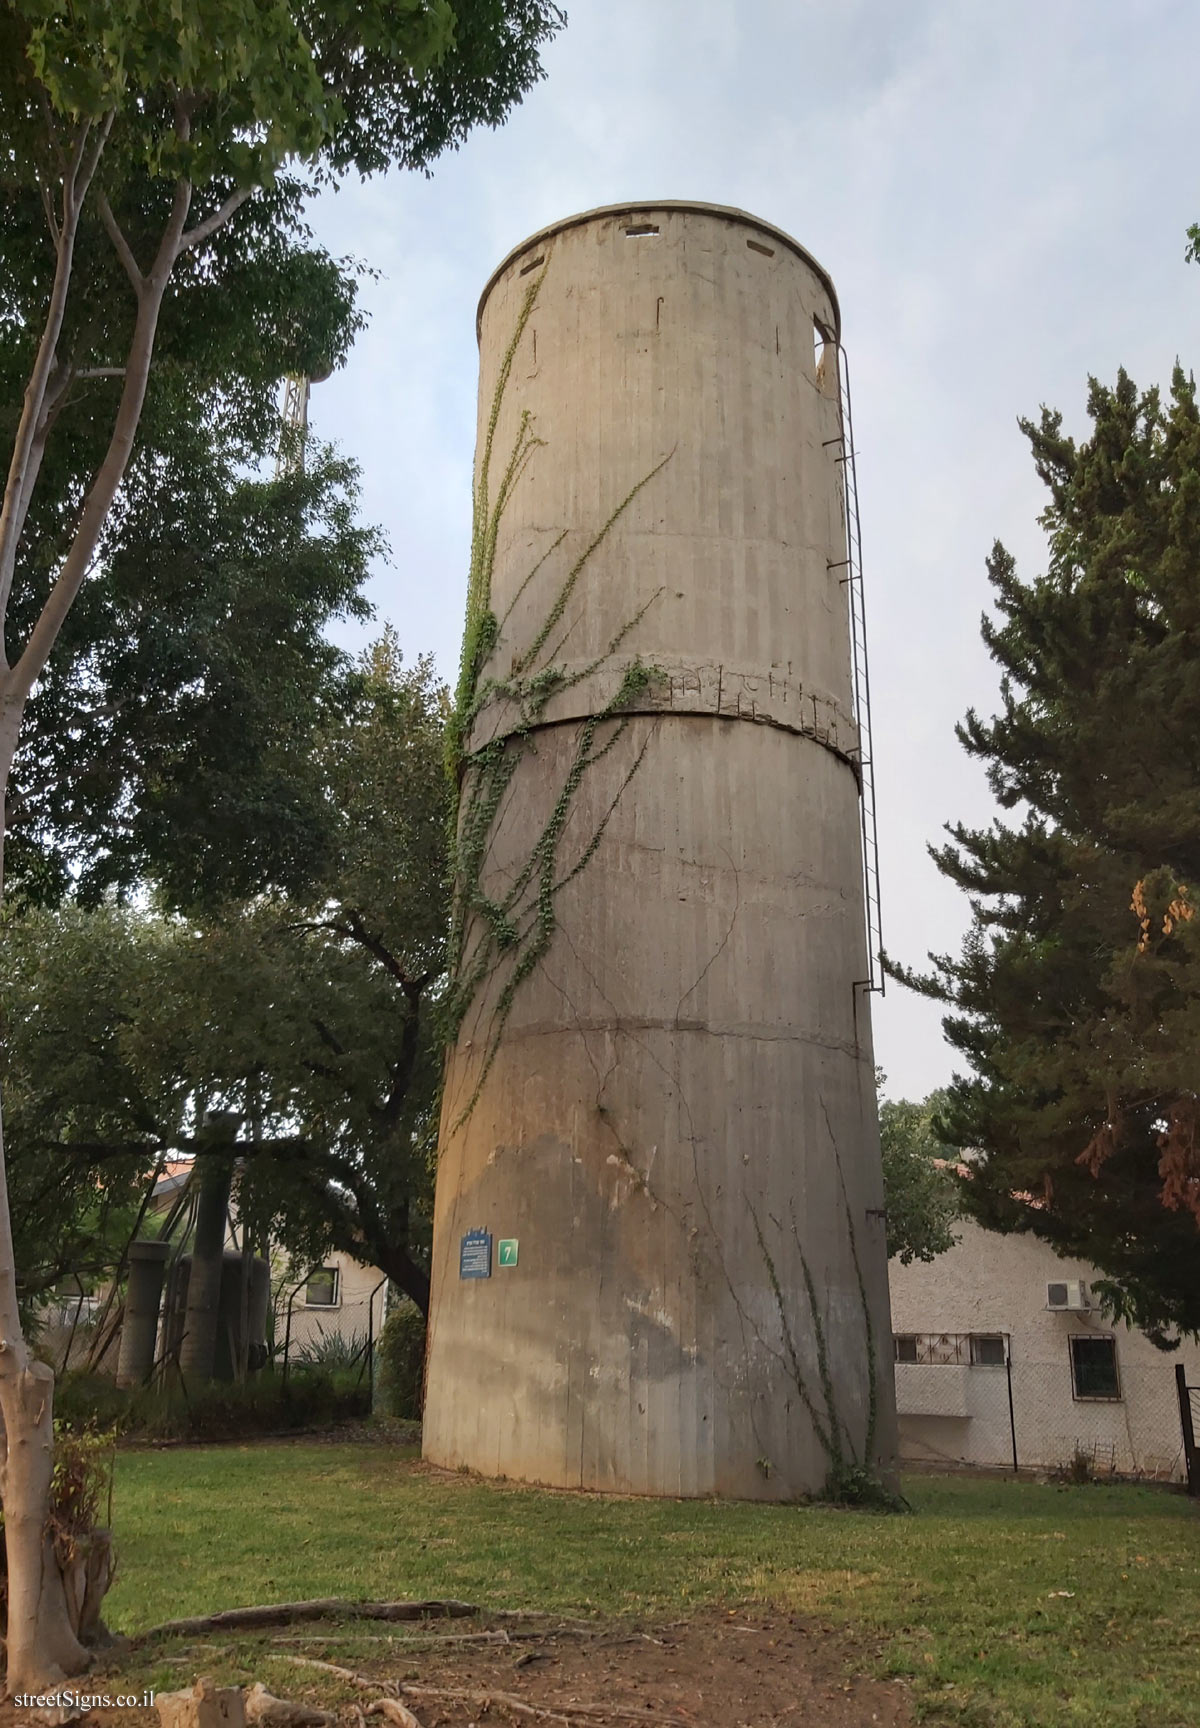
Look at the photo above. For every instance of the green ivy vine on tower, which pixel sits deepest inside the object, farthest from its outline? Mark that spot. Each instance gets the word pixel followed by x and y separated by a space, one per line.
pixel 515 928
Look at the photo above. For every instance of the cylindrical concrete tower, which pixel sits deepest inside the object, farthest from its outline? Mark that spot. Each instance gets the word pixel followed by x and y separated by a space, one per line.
pixel 659 1249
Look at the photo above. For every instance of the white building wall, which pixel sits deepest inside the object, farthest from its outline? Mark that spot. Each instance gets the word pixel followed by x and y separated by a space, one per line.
pixel 959 1413
pixel 358 1311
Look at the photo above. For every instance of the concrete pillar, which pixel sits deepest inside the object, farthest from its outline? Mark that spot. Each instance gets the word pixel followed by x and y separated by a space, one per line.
pixel 259 1303
pixel 659 1252
pixel 139 1329
pixel 239 1305
pixel 198 1350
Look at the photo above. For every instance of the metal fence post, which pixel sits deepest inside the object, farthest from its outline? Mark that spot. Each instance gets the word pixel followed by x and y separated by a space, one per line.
pixel 371 1342
pixel 1012 1418
pixel 1190 1457
pixel 287 1336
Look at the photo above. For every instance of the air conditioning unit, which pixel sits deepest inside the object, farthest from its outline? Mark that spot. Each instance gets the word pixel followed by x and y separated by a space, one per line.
pixel 1070 1297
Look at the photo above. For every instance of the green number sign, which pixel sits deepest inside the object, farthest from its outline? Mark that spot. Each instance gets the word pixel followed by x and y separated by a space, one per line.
pixel 507 1249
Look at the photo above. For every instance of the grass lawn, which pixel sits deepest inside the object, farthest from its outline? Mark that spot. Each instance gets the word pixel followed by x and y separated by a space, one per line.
pixel 1006 1603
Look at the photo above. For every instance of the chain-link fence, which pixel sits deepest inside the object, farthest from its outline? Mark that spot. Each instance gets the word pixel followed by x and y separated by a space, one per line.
pixel 1073 1405
pixel 338 1335
pixel 1189 1421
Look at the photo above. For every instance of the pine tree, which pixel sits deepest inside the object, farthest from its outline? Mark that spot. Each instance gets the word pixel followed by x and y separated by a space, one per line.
pixel 1076 998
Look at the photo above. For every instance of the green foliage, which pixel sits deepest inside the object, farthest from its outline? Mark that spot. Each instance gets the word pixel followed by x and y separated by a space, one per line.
pixel 922 1199
pixel 312 1397
pixel 1076 999
pixel 358 87
pixel 88 1403
pixel 348 1089
pixel 307 1019
pixel 400 1362
pixel 81 1487
pixel 177 734
pixel 262 80
pixel 212 98
pixel 850 1484
pixel 330 1350
pixel 71 1069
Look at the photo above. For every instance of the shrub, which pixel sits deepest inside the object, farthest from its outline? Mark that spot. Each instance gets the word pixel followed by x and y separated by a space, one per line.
pixel 332 1351
pixel 400 1362
pixel 84 1401
pixel 219 1410
pixel 79 1512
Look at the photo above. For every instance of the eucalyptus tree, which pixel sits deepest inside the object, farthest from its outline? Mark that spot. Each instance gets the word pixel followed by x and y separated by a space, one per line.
pixel 158 126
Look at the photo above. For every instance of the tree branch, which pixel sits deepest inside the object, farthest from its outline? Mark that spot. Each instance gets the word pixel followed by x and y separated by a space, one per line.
pixel 111 471
pixel 121 246
pixel 48 207
pixel 410 1043
pixel 328 1038
pixel 22 472
pixel 71 172
pixel 357 931
pixel 204 230
pixel 87 165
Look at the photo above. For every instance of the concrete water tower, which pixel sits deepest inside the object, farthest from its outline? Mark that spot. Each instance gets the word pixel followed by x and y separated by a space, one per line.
pixel 659 1249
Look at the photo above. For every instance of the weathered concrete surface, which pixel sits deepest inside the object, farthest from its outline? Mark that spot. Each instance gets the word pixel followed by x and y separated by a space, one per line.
pixel 679 1123
pixel 143 1297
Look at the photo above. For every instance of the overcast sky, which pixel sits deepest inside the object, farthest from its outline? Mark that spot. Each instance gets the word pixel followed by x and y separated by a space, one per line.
pixel 1001 194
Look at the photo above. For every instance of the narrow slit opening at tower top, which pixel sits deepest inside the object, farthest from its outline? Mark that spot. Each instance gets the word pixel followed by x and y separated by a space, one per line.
pixel 823 350
pixel 532 264
pixel 757 246
pixel 641 230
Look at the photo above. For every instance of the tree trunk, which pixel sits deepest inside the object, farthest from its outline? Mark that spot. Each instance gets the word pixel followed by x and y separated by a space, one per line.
pixel 405 1274
pixel 42 1648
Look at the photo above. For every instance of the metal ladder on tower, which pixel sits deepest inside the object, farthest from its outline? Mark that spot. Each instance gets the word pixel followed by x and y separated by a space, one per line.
pixel 853 577
pixel 289 457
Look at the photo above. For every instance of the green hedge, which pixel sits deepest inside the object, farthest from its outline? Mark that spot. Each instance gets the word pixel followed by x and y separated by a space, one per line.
pixel 400 1363
pixel 220 1410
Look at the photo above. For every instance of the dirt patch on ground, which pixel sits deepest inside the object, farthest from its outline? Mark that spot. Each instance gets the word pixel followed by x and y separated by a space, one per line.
pixel 749 1668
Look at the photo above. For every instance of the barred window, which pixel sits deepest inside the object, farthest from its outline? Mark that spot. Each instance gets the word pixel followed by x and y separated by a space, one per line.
pixel 987 1350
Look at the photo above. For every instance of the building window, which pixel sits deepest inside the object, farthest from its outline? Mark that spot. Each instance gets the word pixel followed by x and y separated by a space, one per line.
pixel 987 1350
pixel 1094 1366
pixel 932 1349
pixel 321 1291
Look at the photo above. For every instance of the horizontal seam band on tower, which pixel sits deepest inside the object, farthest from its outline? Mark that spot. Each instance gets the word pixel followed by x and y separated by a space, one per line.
pixel 672 712
pixel 617 1024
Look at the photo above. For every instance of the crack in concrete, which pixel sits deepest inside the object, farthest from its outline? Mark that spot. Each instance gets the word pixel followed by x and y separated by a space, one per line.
pixel 724 942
